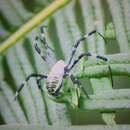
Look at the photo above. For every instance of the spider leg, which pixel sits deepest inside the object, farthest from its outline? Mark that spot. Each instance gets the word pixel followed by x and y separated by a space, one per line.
pixel 40 76
pixel 79 42
pixel 38 49
pixel 43 40
pixel 38 82
pixel 98 57
pixel 77 82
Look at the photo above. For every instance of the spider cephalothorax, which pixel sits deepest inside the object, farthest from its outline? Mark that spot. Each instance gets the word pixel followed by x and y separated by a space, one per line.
pixel 60 69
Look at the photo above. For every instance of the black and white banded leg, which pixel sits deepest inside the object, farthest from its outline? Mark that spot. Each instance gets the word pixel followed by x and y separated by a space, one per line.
pixel 98 57
pixel 38 50
pixel 78 83
pixel 43 40
pixel 80 41
pixel 38 82
pixel 38 78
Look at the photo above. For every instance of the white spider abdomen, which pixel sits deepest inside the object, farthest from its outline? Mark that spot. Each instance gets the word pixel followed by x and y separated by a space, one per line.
pixel 55 78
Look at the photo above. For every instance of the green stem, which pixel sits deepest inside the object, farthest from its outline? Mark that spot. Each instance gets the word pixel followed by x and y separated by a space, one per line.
pixel 112 94
pixel 102 70
pixel 40 17
pixel 121 58
pixel 106 105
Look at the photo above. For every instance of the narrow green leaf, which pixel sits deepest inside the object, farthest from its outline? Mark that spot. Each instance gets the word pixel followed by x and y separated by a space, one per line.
pixel 126 5
pixel 116 12
pixel 21 10
pixel 88 19
pixel 99 14
pixel 10 14
pixel 18 76
pixel 6 111
pixel 14 105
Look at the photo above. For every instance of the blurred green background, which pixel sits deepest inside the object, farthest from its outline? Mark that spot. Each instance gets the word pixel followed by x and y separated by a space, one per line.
pixel 107 106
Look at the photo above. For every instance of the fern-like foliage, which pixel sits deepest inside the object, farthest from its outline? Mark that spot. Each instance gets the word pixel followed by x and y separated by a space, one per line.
pixel 64 28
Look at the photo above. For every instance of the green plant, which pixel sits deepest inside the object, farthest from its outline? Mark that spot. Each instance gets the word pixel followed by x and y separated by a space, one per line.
pixel 64 28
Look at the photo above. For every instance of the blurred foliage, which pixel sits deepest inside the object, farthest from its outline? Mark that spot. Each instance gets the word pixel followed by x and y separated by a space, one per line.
pixel 64 28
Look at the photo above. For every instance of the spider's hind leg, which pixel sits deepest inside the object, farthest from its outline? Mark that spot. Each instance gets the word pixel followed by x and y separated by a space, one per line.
pixel 48 57
pixel 43 38
pixel 38 78
pixel 78 83
pixel 38 50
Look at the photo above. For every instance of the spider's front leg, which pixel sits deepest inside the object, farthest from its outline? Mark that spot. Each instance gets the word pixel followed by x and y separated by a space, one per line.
pixel 38 78
pixel 78 42
pixel 78 83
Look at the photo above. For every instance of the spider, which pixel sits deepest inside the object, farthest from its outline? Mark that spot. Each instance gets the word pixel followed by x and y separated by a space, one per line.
pixel 60 69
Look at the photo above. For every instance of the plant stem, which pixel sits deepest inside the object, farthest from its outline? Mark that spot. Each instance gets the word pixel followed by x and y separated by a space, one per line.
pixel 119 58
pixel 106 105
pixel 40 17
pixel 101 71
